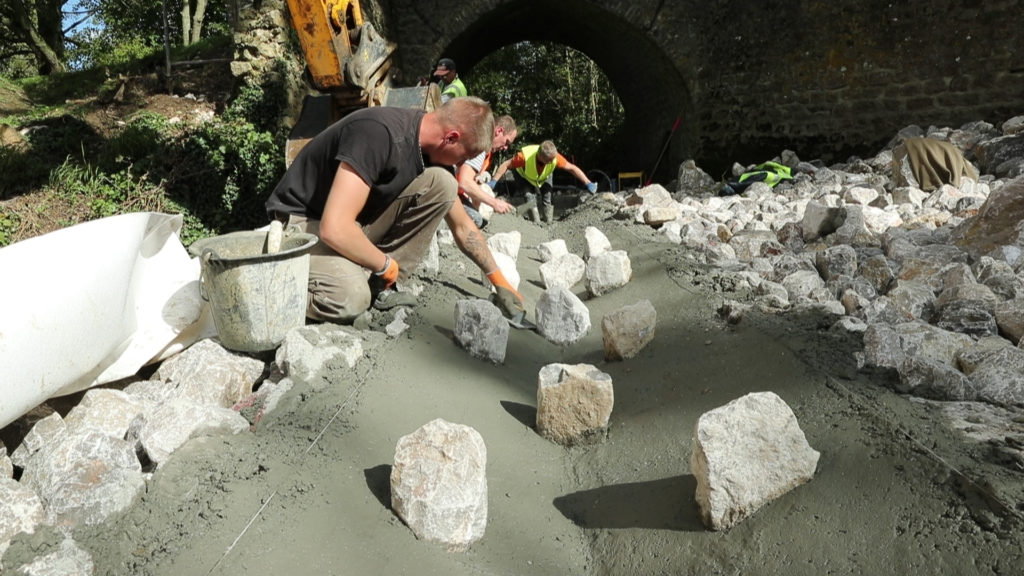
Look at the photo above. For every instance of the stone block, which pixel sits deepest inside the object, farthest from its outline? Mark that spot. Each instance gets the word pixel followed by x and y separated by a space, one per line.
pixel 562 272
pixel 548 251
pixel 628 330
pixel 439 484
pixel 607 271
pixel 481 330
pixel 746 454
pixel 574 402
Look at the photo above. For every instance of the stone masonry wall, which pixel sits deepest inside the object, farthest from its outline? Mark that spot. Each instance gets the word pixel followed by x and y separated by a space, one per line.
pixel 748 79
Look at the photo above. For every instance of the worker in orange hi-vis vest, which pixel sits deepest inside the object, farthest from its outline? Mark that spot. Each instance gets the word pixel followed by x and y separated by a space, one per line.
pixel 473 172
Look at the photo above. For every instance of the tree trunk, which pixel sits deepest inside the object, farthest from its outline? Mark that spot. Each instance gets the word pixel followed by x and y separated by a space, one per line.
pixel 592 73
pixel 197 20
pixel 50 19
pixel 48 57
pixel 186 23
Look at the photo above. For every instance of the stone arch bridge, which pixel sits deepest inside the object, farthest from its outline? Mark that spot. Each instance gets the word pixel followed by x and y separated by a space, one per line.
pixel 747 79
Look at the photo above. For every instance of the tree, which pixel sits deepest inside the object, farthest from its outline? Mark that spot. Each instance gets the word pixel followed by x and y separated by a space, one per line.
pixel 37 27
pixel 192 21
pixel 131 29
pixel 553 92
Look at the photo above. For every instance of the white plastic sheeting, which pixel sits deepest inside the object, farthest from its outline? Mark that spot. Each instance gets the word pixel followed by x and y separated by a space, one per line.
pixel 93 304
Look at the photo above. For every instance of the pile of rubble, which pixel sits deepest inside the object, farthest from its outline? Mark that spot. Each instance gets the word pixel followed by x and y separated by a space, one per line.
pixel 933 280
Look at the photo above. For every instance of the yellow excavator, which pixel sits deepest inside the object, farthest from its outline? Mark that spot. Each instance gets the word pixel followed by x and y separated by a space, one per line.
pixel 349 63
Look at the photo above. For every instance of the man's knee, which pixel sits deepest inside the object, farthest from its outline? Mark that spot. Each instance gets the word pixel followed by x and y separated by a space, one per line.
pixel 338 289
pixel 332 304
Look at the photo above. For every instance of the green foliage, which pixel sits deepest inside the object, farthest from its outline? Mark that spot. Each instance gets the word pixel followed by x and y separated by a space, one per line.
pixel 8 226
pixel 217 174
pixel 56 89
pixel 227 170
pixel 260 105
pixel 18 66
pixel 109 50
pixel 552 92
pixel 107 193
pixel 123 21
pixel 141 142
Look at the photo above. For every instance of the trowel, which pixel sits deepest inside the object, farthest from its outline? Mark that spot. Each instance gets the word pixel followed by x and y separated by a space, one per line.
pixel 274 235
pixel 518 318
pixel 519 321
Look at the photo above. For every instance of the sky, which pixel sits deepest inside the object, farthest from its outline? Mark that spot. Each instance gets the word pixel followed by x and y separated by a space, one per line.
pixel 70 17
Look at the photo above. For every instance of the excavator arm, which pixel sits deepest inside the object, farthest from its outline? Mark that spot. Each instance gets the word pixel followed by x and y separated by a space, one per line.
pixel 349 63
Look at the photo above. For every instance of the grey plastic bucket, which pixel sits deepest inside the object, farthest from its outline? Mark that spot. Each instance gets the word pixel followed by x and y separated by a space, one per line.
pixel 255 297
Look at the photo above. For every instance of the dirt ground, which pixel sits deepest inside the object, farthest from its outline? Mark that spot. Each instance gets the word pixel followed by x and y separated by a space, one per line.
pixel 896 490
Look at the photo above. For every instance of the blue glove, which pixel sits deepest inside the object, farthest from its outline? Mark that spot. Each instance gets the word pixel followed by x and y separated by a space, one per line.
pixel 592 187
pixel 493 184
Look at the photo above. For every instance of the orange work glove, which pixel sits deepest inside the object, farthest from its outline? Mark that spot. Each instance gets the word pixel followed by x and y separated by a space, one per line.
pixel 508 299
pixel 389 274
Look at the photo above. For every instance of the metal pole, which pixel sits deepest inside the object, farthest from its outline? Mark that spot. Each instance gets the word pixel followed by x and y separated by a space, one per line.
pixel 663 149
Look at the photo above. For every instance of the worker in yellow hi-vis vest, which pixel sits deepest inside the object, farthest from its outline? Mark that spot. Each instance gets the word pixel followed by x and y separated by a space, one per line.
pixel 448 80
pixel 533 167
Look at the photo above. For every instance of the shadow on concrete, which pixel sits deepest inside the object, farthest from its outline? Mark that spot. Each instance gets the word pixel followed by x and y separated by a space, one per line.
pixel 526 415
pixel 656 504
pixel 378 480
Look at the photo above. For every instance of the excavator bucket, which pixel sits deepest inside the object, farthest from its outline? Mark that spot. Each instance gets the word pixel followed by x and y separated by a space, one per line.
pixel 424 97
pixel 313 118
pixel 367 63
pixel 349 62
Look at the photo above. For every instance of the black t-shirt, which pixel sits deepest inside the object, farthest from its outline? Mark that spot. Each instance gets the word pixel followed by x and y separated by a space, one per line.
pixel 382 146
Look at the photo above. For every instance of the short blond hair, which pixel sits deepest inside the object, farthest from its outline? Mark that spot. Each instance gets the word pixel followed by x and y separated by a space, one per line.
pixel 506 123
pixel 548 150
pixel 472 118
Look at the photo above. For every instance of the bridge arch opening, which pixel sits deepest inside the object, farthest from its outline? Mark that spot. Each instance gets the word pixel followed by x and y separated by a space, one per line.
pixel 655 95
pixel 553 92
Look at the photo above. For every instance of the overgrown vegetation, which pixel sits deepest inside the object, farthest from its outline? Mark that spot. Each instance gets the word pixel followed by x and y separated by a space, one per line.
pixel 42 38
pixel 216 171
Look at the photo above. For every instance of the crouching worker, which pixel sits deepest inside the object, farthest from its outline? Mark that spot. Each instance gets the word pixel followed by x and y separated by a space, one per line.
pixel 374 187
pixel 469 174
pixel 533 168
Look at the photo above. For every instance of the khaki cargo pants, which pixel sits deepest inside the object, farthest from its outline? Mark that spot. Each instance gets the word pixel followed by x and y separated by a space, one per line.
pixel 338 288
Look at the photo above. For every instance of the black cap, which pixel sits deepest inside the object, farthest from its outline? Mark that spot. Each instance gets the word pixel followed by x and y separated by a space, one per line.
pixel 444 66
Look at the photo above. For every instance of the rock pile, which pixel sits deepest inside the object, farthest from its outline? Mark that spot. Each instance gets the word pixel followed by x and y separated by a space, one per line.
pixel 82 469
pixel 934 280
